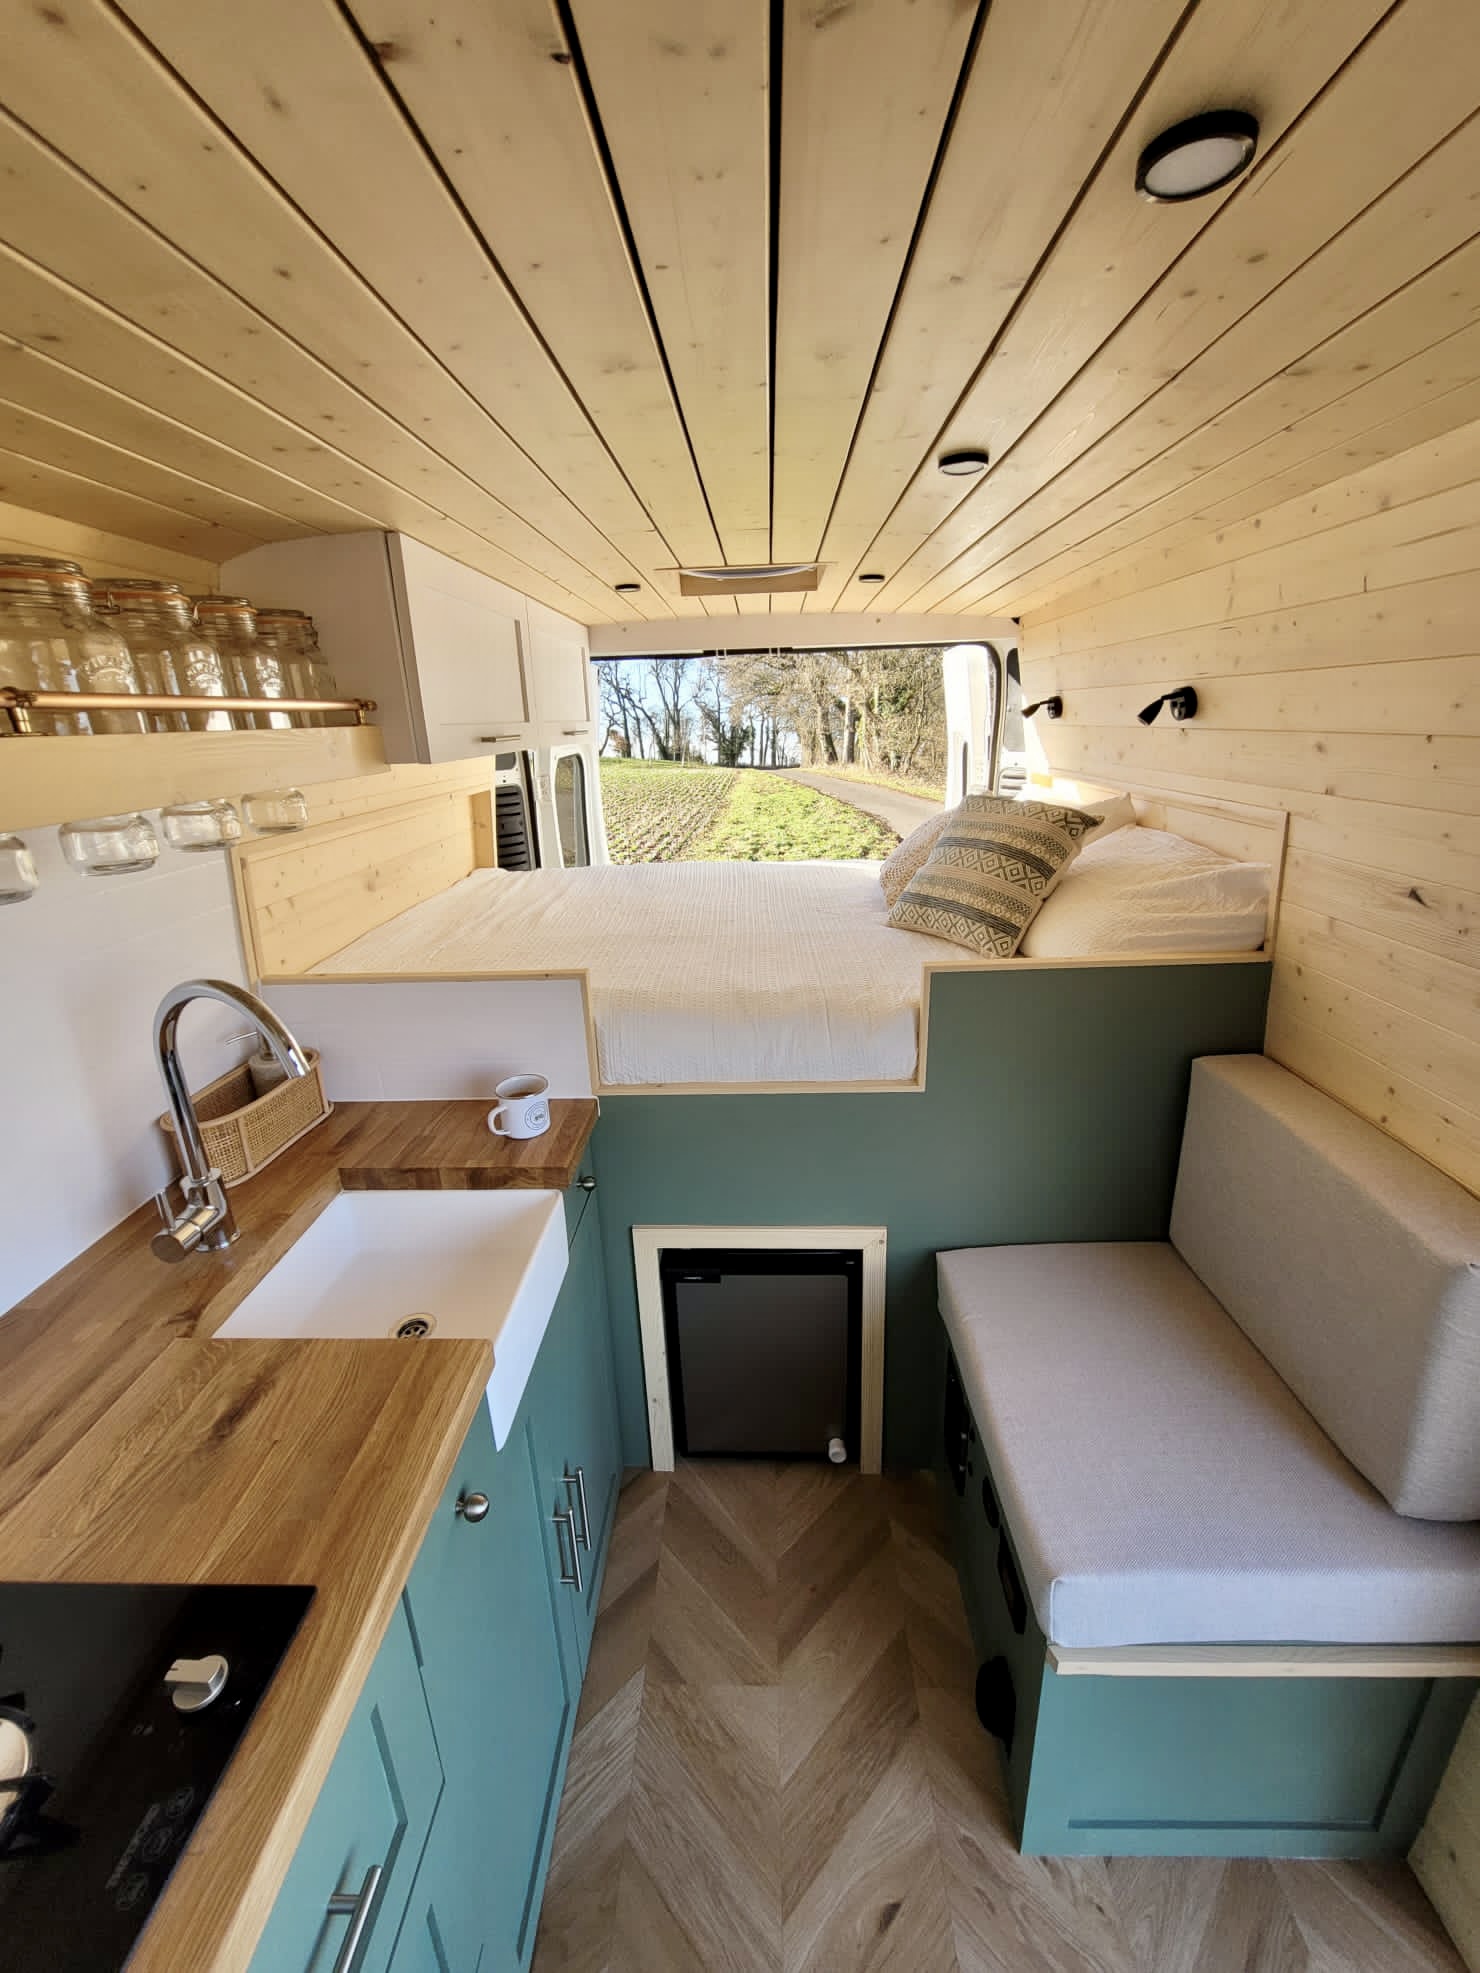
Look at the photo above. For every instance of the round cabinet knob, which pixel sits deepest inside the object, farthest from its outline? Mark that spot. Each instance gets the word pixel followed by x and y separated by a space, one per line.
pixel 194 1683
pixel 471 1506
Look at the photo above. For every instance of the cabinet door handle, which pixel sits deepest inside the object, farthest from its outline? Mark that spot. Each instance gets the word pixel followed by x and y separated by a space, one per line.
pixel 356 1906
pixel 571 732
pixel 578 1481
pixel 497 739
pixel 471 1507
pixel 567 1520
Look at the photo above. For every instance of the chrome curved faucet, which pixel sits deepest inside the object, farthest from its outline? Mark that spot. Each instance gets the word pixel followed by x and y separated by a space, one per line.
pixel 207 1219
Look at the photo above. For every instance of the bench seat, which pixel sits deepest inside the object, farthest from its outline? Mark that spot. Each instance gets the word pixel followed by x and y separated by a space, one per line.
pixel 1162 1483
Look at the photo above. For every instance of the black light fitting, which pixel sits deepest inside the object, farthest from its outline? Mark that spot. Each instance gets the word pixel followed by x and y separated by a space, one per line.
pixel 873 576
pixel 1054 707
pixel 1198 156
pixel 961 465
pixel 1181 704
pixel 627 588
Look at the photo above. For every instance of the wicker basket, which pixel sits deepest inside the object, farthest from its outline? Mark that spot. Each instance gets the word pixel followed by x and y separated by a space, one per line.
pixel 242 1132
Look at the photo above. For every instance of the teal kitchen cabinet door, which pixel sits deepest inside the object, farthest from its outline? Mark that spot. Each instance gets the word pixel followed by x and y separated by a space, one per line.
pixel 342 1900
pixel 577 1432
pixel 502 1704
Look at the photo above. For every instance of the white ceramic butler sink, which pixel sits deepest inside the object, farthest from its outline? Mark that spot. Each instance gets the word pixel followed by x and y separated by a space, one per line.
pixel 466 1263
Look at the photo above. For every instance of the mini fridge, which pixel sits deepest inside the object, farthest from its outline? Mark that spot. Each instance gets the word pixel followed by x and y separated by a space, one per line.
pixel 763 1351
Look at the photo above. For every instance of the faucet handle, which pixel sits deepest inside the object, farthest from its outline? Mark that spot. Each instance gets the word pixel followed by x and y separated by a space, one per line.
pixel 165 1202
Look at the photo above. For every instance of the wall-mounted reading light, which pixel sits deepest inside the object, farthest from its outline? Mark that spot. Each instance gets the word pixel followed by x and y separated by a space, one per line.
pixel 1197 157
pixel 873 577
pixel 1054 707
pixel 1181 704
pixel 627 588
pixel 961 465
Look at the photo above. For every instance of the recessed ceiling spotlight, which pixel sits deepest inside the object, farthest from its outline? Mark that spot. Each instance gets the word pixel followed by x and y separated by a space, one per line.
pixel 1198 156
pixel 874 576
pixel 627 588
pixel 961 465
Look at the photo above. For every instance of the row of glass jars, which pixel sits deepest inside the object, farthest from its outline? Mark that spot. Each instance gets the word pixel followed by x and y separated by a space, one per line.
pixel 59 632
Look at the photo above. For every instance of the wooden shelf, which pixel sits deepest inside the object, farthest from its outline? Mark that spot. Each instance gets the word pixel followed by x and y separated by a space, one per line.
pixel 51 778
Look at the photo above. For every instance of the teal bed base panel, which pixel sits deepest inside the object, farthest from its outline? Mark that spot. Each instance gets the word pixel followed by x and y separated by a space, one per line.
pixel 1052 1110
pixel 1224 1767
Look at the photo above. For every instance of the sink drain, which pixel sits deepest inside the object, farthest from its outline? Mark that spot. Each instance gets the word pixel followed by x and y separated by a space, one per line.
pixel 415 1325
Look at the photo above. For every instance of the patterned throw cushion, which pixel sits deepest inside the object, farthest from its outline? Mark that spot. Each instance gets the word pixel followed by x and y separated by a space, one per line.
pixel 993 864
pixel 903 861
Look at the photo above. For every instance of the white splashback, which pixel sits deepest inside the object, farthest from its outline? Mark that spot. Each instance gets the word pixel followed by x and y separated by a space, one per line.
pixel 434 1040
pixel 83 965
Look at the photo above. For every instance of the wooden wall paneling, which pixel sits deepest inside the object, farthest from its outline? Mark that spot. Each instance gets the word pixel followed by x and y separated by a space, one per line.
pixel 290 81
pixel 1426 215
pixel 1117 246
pixel 1446 1856
pixel 1099 612
pixel 682 89
pixel 1356 400
pixel 504 115
pixel 68 86
pixel 866 92
pixel 25 531
pixel 1078 66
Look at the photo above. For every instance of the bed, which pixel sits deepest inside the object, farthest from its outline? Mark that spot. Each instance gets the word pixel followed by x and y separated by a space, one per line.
pixel 695 976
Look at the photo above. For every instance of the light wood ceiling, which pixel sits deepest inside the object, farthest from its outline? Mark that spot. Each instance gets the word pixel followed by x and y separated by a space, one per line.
pixel 580 292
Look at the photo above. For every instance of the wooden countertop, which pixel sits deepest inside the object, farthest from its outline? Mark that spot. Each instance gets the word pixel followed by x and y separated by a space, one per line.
pixel 135 1449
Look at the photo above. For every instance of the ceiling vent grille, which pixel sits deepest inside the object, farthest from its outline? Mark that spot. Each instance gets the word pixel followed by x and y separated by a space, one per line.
pixel 756 579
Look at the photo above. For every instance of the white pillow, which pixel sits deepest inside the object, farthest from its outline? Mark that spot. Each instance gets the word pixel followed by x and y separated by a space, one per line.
pixel 1142 890
pixel 1113 809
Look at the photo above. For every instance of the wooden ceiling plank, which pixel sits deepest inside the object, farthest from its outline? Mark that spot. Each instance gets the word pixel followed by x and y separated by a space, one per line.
pixel 1422 219
pixel 494 94
pixel 295 88
pixel 25 531
pixel 1299 418
pixel 50 489
pixel 30 435
pixel 171 164
pixel 866 88
pixel 1074 66
pixel 682 91
pixel 33 378
pixel 1117 246
pixel 154 325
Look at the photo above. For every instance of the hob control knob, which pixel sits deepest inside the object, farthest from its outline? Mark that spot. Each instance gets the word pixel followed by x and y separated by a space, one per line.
pixel 193 1683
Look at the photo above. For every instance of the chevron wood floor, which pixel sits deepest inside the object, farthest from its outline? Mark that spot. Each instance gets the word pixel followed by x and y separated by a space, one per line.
pixel 777 1767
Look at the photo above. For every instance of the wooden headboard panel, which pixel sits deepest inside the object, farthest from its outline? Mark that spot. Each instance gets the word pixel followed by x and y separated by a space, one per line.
pixel 302 897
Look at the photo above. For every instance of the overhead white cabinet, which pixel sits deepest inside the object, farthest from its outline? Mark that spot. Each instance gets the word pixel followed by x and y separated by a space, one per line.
pixel 460 665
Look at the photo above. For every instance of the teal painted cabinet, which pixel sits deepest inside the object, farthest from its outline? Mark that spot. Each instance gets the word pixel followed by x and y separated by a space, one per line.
pixel 373 1814
pixel 1251 1767
pixel 449 1776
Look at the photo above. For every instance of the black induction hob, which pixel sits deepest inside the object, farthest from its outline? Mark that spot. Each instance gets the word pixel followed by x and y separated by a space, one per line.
pixel 120 1707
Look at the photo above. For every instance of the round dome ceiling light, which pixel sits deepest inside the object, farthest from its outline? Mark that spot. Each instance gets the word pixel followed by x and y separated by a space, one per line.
pixel 1197 157
pixel 875 577
pixel 627 588
pixel 961 465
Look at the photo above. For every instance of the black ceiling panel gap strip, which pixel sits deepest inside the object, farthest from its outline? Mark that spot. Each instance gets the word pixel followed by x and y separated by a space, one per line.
pixel 777 33
pixel 953 108
pixel 629 239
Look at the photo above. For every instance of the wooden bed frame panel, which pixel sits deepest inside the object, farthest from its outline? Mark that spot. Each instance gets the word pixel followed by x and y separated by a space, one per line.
pixel 303 897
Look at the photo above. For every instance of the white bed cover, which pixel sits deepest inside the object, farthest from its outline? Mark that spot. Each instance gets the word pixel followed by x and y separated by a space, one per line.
pixel 699 972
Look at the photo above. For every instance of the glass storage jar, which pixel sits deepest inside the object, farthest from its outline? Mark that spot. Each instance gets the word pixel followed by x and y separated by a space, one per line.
pixel 110 845
pixel 50 641
pixel 170 652
pixel 289 634
pixel 254 670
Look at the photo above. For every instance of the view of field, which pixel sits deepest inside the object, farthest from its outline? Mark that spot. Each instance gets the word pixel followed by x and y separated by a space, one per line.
pixel 660 811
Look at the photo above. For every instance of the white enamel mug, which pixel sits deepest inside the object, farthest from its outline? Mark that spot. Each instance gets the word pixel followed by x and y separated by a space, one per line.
pixel 523 1107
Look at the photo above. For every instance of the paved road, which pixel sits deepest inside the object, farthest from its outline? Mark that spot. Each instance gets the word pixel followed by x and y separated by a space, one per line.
pixel 899 812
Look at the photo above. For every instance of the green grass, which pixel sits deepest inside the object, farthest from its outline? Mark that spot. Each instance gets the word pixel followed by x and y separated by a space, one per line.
pixel 660 812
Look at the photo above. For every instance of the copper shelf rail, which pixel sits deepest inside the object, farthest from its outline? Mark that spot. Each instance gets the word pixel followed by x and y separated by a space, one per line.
pixel 18 706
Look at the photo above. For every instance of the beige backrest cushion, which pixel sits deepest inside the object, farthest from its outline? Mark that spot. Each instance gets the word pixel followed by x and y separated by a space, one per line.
pixel 906 858
pixel 993 864
pixel 1351 1263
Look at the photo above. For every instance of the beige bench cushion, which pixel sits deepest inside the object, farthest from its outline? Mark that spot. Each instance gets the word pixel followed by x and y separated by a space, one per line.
pixel 1162 1484
pixel 1351 1263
